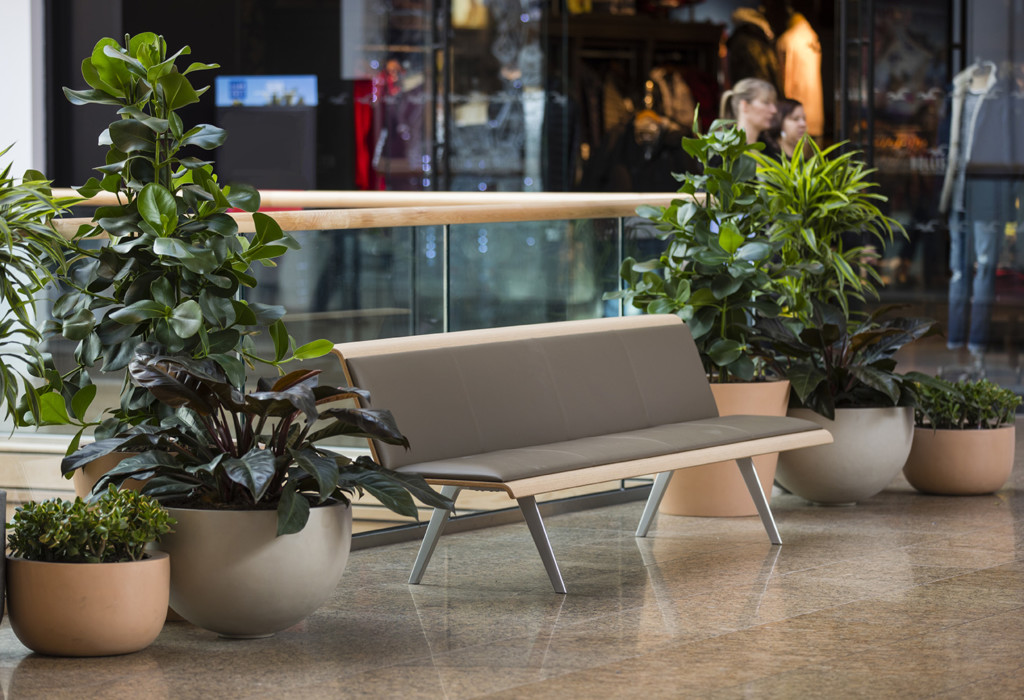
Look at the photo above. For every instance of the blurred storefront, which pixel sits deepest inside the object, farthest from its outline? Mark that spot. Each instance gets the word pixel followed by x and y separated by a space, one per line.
pixel 559 95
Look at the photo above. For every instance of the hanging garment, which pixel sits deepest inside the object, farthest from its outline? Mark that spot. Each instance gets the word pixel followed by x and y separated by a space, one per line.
pixel 800 60
pixel 751 51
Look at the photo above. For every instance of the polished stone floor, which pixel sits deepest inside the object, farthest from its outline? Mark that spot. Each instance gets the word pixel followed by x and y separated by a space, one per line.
pixel 902 596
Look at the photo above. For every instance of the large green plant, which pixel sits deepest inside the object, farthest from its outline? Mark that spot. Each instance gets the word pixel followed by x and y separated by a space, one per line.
pixel 835 362
pixel 716 271
pixel 226 449
pixel 175 263
pixel 116 527
pixel 30 252
pixel 824 218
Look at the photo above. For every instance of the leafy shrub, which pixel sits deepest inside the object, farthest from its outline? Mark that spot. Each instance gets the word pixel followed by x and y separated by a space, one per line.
pixel 115 528
pixel 964 405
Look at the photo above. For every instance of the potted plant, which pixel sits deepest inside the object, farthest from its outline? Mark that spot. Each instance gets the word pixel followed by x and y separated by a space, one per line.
pixel 716 273
pixel 264 524
pixel 843 377
pixel 80 579
pixel 964 437
pixel 175 265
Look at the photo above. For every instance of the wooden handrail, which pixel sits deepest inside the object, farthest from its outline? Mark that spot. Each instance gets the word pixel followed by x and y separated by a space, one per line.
pixel 362 199
pixel 520 207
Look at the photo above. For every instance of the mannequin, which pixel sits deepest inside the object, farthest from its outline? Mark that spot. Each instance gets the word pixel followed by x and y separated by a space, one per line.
pixel 975 206
pixel 800 65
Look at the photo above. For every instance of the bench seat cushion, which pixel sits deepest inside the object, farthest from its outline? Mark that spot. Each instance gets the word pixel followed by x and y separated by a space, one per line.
pixel 542 460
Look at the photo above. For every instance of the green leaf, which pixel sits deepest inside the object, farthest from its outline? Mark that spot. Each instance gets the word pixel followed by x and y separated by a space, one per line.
pixel 282 341
pixel 314 349
pixel 198 260
pixel 82 399
pixel 130 136
pixel 205 136
pixel 186 319
pixel 323 469
pixel 292 511
pixel 729 237
pixel 158 208
pixel 79 326
pixel 255 471
pixel 138 312
pixel 244 197
pixel 53 410
pixel 177 91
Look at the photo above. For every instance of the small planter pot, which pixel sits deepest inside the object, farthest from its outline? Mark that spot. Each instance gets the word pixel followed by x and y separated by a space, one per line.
pixel 870 447
pixel 960 462
pixel 87 609
pixel 718 490
pixel 232 575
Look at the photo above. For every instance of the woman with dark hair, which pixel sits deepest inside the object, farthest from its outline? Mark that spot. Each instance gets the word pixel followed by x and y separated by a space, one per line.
pixel 788 127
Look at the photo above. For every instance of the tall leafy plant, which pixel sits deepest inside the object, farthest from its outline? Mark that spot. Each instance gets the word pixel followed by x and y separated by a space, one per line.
pixel 175 263
pixel 30 252
pixel 824 220
pixel 716 271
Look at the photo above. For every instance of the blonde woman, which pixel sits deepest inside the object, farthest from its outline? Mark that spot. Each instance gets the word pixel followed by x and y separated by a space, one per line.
pixel 751 102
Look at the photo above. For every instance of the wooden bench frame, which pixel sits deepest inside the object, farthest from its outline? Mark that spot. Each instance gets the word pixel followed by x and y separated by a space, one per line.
pixel 525 491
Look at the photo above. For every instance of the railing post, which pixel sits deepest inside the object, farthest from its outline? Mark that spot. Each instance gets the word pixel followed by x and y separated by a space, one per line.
pixel 446 289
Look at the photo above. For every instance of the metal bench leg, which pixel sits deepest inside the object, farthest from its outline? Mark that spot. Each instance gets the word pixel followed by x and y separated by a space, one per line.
pixel 438 519
pixel 540 538
pixel 653 501
pixel 746 465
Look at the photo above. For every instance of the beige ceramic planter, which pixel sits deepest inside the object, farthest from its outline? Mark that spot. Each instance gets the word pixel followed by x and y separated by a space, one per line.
pixel 87 609
pixel 233 576
pixel 960 462
pixel 869 448
pixel 718 489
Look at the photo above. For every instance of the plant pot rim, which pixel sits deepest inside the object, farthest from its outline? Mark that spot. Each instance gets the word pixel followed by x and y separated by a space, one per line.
pixel 964 430
pixel 220 509
pixel 150 555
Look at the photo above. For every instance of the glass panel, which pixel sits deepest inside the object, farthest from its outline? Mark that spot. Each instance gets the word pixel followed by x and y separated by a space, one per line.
pixel 506 274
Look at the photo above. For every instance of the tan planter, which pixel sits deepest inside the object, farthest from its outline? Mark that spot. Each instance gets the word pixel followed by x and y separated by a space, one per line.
pixel 960 462
pixel 87 609
pixel 85 478
pixel 710 489
pixel 232 575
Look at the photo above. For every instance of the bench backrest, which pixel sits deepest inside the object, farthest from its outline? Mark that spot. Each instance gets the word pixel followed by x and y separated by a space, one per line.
pixel 470 392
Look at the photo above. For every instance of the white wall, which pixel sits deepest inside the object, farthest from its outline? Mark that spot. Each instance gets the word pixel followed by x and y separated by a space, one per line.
pixel 22 105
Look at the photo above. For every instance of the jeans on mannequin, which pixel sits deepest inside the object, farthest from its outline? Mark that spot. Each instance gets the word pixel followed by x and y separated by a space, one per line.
pixel 974 252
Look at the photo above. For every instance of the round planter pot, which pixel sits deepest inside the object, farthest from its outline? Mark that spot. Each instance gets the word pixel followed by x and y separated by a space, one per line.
pixel 232 575
pixel 960 462
pixel 85 478
pixel 88 609
pixel 870 447
pixel 718 489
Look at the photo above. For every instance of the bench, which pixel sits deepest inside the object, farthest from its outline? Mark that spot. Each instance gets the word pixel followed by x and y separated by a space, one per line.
pixel 534 409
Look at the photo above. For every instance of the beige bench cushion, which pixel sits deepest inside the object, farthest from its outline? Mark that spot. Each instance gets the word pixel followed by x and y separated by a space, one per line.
pixel 526 462
pixel 482 392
